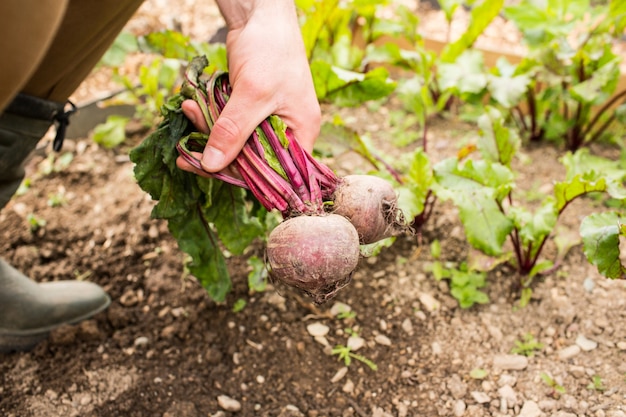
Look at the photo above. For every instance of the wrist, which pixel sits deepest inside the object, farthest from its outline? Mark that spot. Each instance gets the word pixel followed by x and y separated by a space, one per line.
pixel 238 13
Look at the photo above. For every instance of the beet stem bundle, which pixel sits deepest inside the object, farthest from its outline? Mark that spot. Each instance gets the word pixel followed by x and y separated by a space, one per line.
pixel 279 173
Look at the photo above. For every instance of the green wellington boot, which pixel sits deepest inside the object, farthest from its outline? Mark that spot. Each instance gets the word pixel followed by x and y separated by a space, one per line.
pixel 28 310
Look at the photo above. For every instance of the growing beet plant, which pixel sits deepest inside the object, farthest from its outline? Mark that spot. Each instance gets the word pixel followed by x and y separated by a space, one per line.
pixel 565 89
pixel 483 190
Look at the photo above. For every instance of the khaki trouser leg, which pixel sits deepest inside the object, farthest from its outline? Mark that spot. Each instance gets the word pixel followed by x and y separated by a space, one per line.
pixel 87 30
pixel 47 48
pixel 27 29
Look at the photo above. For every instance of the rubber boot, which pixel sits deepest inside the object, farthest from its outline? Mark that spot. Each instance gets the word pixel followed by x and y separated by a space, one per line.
pixel 28 310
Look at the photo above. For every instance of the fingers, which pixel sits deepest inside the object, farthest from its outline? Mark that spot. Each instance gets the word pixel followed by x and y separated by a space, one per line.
pixel 192 111
pixel 306 130
pixel 186 166
pixel 242 114
pixel 231 130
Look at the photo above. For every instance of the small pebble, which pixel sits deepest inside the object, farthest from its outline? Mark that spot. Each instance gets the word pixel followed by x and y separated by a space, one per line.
pixel 429 302
pixel 339 308
pixel 317 329
pixel 348 387
pixel 355 343
pixel 510 362
pixel 228 404
pixel 568 352
pixel 381 339
pixel 508 394
pixel 340 374
pixel 480 397
pixel 530 409
pixel 407 326
pixel 586 344
pixel 141 341
pixel 459 408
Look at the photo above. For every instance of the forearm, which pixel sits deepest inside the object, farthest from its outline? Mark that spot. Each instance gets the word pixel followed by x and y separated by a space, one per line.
pixel 237 13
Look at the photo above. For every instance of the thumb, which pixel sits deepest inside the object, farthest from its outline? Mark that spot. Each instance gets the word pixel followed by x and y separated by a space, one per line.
pixel 229 133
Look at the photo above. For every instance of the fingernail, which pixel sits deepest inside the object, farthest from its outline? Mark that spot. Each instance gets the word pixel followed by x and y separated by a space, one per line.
pixel 212 159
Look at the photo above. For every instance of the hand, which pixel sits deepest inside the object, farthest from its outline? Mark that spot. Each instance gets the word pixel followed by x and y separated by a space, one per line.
pixel 269 74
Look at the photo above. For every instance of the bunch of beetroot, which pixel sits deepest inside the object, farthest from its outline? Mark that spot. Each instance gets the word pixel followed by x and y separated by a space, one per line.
pixel 326 218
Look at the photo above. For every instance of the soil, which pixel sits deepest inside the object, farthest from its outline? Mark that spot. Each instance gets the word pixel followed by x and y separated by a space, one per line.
pixel 165 349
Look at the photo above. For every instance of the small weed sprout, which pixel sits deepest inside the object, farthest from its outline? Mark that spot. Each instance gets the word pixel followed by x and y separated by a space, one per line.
pixel 346 354
pixel 596 384
pixel 527 347
pixel 35 223
pixel 57 199
pixel 478 373
pixel 345 315
pixel 556 388
pixel 239 305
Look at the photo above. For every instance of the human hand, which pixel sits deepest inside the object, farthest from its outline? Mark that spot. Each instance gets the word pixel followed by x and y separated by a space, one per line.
pixel 269 74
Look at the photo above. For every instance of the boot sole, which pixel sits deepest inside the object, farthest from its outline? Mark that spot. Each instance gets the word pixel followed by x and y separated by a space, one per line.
pixel 12 340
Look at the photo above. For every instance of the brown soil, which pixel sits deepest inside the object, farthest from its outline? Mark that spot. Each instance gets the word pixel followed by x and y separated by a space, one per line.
pixel 164 348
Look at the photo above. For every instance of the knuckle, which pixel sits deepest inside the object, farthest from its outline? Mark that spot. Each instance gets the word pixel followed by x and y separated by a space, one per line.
pixel 225 131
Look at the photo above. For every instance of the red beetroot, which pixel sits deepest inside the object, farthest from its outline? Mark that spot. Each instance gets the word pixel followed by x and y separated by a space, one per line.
pixel 316 254
pixel 370 203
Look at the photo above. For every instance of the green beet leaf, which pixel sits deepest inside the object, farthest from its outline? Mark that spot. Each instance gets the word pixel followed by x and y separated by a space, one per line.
pixel 601 235
pixel 204 215
pixel 533 228
pixel 412 194
pixel 201 244
pixel 466 75
pixel 497 142
pixel 493 177
pixel 349 88
pixel 485 225
pixel 481 16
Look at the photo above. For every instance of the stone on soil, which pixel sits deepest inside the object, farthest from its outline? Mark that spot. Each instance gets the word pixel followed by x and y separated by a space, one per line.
pixel 569 352
pixel 510 362
pixel 228 404
pixel 530 409
pixel 317 329
pixel 586 344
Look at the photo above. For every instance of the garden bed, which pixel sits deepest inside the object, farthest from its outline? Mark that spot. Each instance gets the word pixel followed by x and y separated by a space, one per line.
pixel 164 348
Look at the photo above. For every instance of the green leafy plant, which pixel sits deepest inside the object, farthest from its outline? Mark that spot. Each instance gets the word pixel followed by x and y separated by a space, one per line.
pixel 565 87
pixel 465 284
pixel 478 373
pixel 258 275
pixel 482 189
pixel 346 354
pixel 601 233
pixel 596 384
pixel 239 305
pixel 557 389
pixel 335 35
pixel 528 346
pixel 57 199
pixel 35 223
pixel 437 82
pixel 346 315
pixel 111 133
